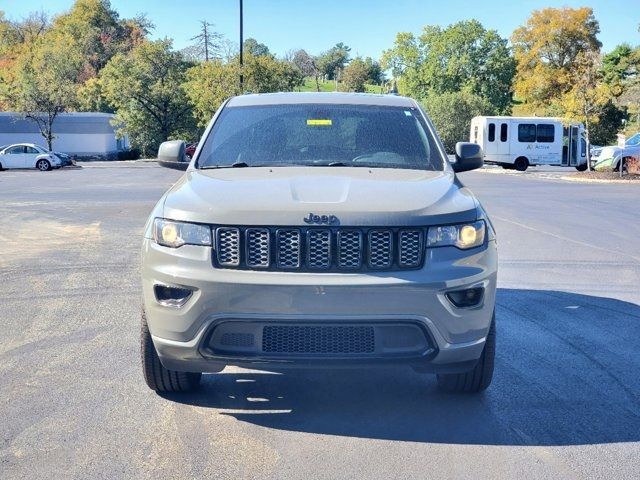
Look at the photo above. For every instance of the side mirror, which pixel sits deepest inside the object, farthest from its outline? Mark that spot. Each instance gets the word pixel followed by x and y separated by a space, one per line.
pixel 171 154
pixel 468 157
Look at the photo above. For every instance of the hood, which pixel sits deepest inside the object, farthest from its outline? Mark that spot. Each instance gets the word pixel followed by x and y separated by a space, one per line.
pixel 609 152
pixel 613 151
pixel 285 196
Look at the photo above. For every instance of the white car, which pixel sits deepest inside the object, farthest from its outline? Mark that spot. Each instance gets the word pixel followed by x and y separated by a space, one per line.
pixel 27 155
pixel 631 149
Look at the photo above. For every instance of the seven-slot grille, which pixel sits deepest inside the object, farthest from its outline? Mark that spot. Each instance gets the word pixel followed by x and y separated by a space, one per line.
pixel 317 249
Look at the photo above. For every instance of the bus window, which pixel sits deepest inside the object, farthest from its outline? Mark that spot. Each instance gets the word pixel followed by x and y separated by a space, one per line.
pixel 545 133
pixel 526 132
pixel 503 132
pixel 492 132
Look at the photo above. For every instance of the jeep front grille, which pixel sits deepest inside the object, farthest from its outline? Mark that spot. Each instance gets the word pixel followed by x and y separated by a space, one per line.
pixel 319 249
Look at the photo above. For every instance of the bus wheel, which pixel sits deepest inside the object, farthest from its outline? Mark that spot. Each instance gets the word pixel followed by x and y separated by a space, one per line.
pixel 581 168
pixel 521 164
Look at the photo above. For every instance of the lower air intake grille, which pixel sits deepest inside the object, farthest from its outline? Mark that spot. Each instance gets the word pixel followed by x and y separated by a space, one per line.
pixel 237 339
pixel 318 339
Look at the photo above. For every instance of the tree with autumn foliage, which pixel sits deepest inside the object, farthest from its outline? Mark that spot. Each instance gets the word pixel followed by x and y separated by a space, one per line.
pixel 355 75
pixel 99 33
pixel 48 67
pixel 208 84
pixel 547 50
pixel 589 96
pixel 45 82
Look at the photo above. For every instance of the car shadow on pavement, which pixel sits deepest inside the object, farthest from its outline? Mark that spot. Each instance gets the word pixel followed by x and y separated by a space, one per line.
pixel 566 374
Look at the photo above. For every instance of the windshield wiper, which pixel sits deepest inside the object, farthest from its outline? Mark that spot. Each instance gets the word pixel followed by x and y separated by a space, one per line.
pixel 320 164
pixel 233 165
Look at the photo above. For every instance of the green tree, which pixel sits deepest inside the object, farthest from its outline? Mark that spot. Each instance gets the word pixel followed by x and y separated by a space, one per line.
pixel 462 56
pixel 91 97
pixel 546 49
pixel 621 64
pixel 45 83
pixel 375 74
pixel 18 39
pixel 251 47
pixel 265 73
pixel 609 122
pixel 208 84
pixel 589 96
pixel 333 61
pixel 25 32
pixel 355 75
pixel 145 88
pixel 451 113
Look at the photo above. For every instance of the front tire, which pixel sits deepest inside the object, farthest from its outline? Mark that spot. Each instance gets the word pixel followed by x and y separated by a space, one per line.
pixel 43 165
pixel 521 164
pixel 625 168
pixel 582 168
pixel 156 376
pixel 480 377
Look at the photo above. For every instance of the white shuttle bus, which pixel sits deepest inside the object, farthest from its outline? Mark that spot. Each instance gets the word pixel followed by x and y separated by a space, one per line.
pixel 522 142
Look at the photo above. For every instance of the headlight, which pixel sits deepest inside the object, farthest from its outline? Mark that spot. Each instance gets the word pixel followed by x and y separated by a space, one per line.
pixel 462 236
pixel 175 234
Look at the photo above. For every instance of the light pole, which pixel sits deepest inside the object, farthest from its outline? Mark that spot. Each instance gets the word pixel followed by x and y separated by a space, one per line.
pixel 241 59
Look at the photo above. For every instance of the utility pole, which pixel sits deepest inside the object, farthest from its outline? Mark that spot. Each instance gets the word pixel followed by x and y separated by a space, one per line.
pixel 241 59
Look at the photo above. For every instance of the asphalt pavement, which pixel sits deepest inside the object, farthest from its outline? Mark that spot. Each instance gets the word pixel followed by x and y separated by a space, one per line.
pixel 565 401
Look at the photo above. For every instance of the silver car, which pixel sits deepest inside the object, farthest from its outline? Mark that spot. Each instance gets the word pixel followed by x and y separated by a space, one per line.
pixel 315 229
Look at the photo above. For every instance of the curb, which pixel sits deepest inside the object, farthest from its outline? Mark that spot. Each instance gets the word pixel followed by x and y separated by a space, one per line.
pixel 600 180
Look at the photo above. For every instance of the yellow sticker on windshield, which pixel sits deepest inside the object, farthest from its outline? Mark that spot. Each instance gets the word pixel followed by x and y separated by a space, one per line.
pixel 319 122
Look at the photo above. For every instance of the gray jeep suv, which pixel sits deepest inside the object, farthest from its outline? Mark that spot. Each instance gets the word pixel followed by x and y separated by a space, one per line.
pixel 319 230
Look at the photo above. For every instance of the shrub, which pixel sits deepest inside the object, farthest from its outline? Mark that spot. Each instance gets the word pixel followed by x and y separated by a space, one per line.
pixel 131 154
pixel 451 114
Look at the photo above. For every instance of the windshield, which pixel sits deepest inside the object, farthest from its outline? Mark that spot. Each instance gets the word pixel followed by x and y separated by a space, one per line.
pixel 320 135
pixel 633 140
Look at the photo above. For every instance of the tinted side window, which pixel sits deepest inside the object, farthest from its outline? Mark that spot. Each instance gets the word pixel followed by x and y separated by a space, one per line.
pixel 503 132
pixel 492 132
pixel 545 133
pixel 526 132
pixel 16 150
pixel 31 150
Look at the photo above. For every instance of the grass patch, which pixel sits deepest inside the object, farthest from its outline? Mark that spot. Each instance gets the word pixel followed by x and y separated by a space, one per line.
pixel 310 86
pixel 368 88
pixel 330 86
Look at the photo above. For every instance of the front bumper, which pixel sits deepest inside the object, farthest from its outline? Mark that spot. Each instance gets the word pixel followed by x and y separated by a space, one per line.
pixel 403 306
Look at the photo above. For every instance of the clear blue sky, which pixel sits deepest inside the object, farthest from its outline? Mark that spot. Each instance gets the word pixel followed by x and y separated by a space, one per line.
pixel 368 27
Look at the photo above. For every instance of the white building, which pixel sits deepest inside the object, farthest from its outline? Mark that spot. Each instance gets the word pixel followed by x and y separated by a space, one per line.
pixel 79 134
